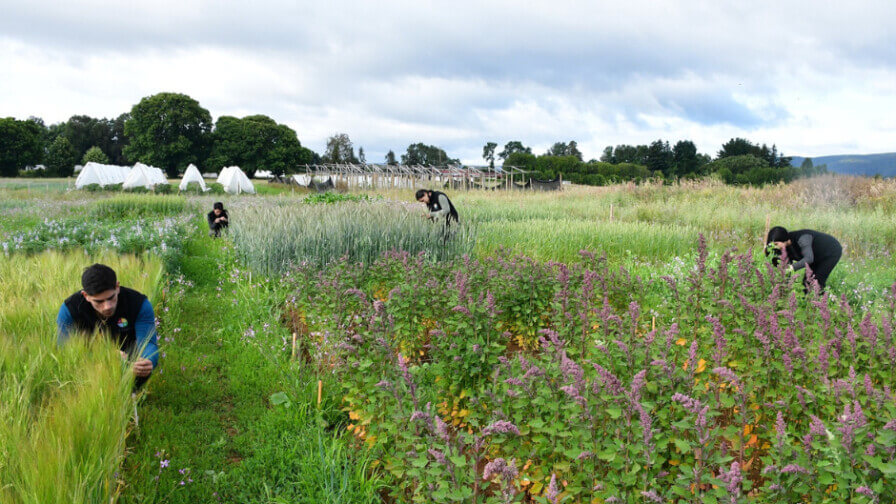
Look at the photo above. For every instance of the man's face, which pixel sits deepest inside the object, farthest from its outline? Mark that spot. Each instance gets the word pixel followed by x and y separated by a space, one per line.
pixel 217 211
pixel 104 302
pixel 424 199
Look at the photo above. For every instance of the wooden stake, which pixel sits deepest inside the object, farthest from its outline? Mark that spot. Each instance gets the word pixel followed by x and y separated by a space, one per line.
pixel 320 387
pixel 653 324
pixel 294 337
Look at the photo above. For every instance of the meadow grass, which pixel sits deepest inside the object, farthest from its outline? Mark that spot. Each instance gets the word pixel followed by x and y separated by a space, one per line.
pixel 139 205
pixel 210 414
pixel 63 411
pixel 271 237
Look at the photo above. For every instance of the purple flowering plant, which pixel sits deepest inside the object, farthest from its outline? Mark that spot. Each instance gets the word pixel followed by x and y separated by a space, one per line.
pixel 724 384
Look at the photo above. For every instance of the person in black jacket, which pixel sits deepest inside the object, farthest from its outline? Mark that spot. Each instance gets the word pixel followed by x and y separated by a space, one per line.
pixel 440 207
pixel 121 314
pixel 217 219
pixel 817 250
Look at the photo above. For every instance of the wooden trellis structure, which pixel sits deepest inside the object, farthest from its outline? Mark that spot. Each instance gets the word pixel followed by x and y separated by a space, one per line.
pixel 455 177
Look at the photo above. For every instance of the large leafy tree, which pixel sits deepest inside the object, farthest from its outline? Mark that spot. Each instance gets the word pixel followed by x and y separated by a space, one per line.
pixel 256 143
pixel 427 155
pixel 659 157
pixel 61 157
pixel 390 158
pixel 169 130
pixel 21 145
pixel 340 150
pixel 512 147
pixel 684 158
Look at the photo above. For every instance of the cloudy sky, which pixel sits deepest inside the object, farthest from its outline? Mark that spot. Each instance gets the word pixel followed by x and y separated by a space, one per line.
pixel 814 77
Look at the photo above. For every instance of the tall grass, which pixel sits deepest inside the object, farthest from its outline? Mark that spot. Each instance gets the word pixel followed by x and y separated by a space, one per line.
pixel 139 205
pixel 271 237
pixel 63 411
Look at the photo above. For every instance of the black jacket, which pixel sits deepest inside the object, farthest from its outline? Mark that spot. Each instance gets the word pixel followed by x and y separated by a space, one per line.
pixel 120 326
pixel 435 206
pixel 211 219
pixel 811 247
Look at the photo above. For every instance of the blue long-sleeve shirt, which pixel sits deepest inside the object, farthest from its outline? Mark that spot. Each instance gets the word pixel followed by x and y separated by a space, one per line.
pixel 144 326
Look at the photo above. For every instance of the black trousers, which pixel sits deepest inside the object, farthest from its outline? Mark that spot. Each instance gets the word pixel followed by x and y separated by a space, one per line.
pixel 216 227
pixel 822 269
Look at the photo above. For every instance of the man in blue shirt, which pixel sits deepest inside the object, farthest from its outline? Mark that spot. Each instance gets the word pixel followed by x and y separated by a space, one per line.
pixel 122 314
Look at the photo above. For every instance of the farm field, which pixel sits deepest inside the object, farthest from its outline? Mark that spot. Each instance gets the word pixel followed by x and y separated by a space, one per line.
pixel 601 344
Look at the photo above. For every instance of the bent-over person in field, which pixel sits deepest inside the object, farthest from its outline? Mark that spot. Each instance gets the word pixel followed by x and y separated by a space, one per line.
pixel 440 207
pixel 805 247
pixel 121 314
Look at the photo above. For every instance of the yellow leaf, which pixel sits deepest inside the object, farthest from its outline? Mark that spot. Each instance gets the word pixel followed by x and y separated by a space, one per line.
pixel 674 462
pixel 701 365
pixel 352 415
pixel 681 342
pixel 748 429
pixel 462 413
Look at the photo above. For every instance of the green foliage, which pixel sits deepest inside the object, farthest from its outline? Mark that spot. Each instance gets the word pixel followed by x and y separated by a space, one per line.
pixel 169 130
pixel 427 155
pixel 562 149
pixel 749 170
pixel 575 171
pixel 256 143
pixel 339 150
pixel 20 145
pixel 96 155
pixel 522 160
pixel 334 197
pixel 742 147
pixel 85 132
pixel 513 147
pixel 61 157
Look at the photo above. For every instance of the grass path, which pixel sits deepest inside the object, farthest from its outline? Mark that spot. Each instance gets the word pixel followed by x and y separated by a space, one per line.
pixel 207 414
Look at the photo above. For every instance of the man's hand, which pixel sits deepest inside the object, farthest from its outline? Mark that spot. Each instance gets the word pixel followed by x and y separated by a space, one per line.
pixel 142 368
pixel 124 354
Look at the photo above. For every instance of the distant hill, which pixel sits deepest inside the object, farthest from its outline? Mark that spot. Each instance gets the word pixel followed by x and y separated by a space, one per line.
pixel 856 164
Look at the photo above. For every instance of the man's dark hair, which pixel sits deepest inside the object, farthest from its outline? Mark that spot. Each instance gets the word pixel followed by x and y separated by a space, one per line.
pixel 98 278
pixel 218 206
pixel 421 193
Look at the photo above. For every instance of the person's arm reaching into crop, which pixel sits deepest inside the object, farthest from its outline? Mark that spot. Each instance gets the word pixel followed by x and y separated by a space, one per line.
pixel 147 341
pixel 805 244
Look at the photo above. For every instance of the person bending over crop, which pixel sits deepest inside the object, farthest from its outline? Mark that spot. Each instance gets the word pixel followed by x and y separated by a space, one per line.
pixel 440 207
pixel 217 219
pixel 805 247
pixel 122 314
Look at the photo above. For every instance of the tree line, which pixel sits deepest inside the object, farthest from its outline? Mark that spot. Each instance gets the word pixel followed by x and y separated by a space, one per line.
pixel 172 130
pixel 738 162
